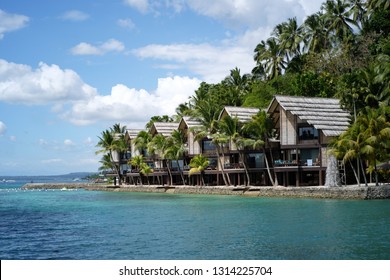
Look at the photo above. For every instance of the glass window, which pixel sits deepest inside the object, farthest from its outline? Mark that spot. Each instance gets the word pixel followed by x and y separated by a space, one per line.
pixel 207 145
pixel 255 160
pixel 307 133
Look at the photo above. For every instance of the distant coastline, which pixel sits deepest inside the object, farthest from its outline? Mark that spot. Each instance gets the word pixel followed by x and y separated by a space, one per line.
pixel 320 192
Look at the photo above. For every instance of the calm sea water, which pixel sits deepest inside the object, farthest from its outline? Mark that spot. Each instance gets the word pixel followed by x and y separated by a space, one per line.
pixel 105 225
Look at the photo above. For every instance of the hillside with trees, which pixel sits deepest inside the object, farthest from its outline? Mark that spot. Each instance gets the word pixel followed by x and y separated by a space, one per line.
pixel 342 51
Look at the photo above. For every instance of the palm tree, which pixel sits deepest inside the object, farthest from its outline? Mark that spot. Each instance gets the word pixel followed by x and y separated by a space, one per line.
pixel 142 141
pixel 198 164
pixel 315 34
pixel 357 10
pixel 271 55
pixel 348 147
pixel 207 113
pixel 337 17
pixel 106 163
pixel 291 37
pixel 259 129
pixel 377 137
pixel 111 144
pixel 231 127
pixel 137 162
pixel 176 150
pixel 238 86
pixel 378 4
pixel 159 145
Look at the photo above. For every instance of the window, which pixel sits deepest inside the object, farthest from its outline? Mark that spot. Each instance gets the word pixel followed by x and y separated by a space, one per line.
pixel 255 160
pixel 207 145
pixel 307 133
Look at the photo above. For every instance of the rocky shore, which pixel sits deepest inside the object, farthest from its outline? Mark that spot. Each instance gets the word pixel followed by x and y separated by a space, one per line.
pixel 349 192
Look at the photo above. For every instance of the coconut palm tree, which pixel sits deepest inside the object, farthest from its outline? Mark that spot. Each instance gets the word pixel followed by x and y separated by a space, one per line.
pixel 159 146
pixel 176 150
pixel 142 141
pixel 111 144
pixel 315 34
pixel 207 113
pixel 233 129
pixel 271 55
pixel 259 129
pixel 377 137
pixel 198 164
pixel 378 4
pixel 291 38
pixel 137 162
pixel 337 17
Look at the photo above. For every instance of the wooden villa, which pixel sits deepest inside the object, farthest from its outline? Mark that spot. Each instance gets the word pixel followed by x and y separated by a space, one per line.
pixel 305 127
pixel 297 155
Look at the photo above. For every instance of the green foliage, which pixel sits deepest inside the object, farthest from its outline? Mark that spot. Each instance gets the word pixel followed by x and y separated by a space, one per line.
pixel 198 164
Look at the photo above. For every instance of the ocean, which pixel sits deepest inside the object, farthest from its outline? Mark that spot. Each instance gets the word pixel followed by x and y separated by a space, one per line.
pixel 84 225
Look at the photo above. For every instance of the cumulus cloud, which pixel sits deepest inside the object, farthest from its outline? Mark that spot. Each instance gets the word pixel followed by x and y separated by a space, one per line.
pixel 210 62
pixel 140 5
pixel 111 45
pixel 126 23
pixel 126 104
pixel 75 15
pixel 3 128
pixel 20 83
pixel 11 22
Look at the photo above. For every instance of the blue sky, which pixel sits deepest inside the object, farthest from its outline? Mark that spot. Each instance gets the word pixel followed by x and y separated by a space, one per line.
pixel 70 69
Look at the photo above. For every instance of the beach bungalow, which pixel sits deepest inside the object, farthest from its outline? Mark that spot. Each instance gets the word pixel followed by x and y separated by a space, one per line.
pixel 304 128
pixel 130 135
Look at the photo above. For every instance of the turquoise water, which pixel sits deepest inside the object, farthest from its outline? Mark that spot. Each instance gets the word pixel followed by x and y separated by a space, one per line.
pixel 105 225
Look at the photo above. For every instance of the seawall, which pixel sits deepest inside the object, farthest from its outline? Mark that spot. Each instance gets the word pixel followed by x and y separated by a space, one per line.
pixel 349 192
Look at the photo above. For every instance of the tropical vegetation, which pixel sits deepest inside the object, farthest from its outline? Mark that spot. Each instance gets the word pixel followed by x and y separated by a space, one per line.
pixel 342 51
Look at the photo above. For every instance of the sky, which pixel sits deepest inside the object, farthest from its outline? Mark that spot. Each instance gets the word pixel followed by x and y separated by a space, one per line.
pixel 71 69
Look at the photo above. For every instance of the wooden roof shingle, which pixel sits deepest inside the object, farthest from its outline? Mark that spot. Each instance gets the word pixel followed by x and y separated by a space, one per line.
pixel 164 128
pixel 325 114
pixel 244 114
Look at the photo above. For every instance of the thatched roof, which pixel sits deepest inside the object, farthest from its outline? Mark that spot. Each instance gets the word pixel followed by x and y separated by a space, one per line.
pixel 164 128
pixel 324 114
pixel 242 113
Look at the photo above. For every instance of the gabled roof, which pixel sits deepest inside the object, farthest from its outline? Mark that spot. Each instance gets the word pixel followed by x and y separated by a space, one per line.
pixel 132 133
pixel 325 114
pixel 189 122
pixel 164 128
pixel 242 113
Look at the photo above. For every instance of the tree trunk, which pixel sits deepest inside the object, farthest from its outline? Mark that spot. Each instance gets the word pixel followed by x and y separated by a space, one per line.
pixel 364 173
pixel 268 169
pixel 242 155
pixel 354 172
pixel 181 172
pixel 221 165
pixel 117 169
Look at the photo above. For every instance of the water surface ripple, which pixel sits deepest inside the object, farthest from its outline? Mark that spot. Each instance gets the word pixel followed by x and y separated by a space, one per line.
pixel 105 225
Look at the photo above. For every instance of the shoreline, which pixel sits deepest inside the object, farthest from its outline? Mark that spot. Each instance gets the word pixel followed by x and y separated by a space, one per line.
pixel 349 192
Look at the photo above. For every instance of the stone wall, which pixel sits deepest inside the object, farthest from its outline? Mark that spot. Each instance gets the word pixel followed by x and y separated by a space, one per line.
pixel 353 192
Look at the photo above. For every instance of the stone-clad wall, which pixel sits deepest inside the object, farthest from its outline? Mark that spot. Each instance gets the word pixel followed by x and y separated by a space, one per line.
pixel 372 192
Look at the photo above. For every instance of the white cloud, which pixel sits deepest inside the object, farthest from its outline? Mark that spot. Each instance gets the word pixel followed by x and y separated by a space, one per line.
pixel 213 61
pixel 3 128
pixel 110 45
pixel 140 5
pixel 11 22
pixel 68 143
pixel 20 83
pixel 131 105
pixel 75 15
pixel 126 23
pixel 210 63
